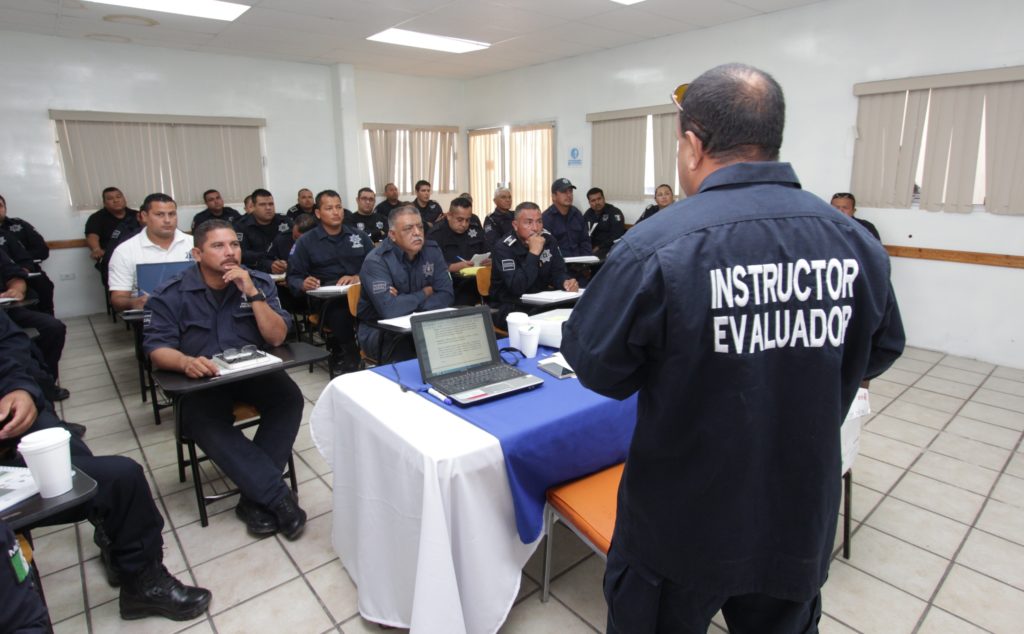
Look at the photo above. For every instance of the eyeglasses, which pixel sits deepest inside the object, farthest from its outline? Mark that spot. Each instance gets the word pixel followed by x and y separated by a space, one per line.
pixel 678 94
pixel 693 125
pixel 842 195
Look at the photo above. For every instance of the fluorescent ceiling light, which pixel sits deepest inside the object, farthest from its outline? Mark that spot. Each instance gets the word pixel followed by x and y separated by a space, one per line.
pixel 627 2
pixel 212 9
pixel 426 40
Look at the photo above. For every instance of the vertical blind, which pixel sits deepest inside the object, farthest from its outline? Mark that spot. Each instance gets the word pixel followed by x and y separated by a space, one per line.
pixel 531 163
pixel 405 154
pixel 486 167
pixel 618 148
pixel 665 150
pixel 141 155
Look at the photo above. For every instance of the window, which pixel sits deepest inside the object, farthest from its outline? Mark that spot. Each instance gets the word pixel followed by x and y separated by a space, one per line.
pixel 180 156
pixel 405 154
pixel 634 151
pixel 520 156
pixel 949 142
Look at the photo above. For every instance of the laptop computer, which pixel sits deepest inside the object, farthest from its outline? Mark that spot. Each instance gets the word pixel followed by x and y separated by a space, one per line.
pixel 149 276
pixel 459 357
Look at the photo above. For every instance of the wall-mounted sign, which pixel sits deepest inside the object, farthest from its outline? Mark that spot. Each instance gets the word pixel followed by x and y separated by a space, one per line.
pixel 575 159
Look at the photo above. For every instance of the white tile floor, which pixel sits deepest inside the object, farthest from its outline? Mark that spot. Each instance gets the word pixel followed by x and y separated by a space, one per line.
pixel 938 510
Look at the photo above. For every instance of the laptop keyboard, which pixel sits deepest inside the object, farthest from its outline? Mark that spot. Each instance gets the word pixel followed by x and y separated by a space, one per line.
pixel 476 378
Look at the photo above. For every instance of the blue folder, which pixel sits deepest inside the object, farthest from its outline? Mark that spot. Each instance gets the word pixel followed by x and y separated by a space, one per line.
pixel 149 276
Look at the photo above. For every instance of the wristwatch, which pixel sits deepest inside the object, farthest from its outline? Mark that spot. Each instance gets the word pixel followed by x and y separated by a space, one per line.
pixel 257 297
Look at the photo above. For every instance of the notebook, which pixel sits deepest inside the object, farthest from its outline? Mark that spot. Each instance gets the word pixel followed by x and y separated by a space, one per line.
pixel 458 356
pixel 149 276
pixel 16 485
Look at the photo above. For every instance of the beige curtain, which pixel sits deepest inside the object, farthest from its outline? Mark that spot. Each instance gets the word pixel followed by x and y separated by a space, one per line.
pixel 383 156
pixel 665 150
pixel 531 169
pixel 951 148
pixel 485 168
pixel 180 160
pixel 1004 148
pixel 432 157
pixel 618 146
pixel 888 145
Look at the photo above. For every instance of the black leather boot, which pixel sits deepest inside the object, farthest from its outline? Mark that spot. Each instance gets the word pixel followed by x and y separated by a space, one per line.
pixel 154 592
pixel 291 519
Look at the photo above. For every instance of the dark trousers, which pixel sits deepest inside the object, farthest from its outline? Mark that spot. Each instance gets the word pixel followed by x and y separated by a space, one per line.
pixel 256 465
pixel 21 608
pixel 642 602
pixel 43 287
pixel 338 320
pixel 465 291
pixel 52 333
pixel 123 506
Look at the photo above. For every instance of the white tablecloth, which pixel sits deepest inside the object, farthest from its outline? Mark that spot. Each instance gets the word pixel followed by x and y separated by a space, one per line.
pixel 423 517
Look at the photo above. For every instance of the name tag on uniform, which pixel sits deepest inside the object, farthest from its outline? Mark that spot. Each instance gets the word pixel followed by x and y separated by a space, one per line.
pixel 508 265
pixel 380 287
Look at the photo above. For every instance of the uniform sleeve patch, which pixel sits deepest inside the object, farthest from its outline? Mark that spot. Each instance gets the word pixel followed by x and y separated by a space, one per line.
pixel 508 265
pixel 380 287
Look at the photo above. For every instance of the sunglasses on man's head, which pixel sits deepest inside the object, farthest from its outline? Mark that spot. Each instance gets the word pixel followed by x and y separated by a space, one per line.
pixel 678 94
pixel 842 195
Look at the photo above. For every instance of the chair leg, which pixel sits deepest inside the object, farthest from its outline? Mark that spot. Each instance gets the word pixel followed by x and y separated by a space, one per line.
pixel 197 480
pixel 549 524
pixel 847 509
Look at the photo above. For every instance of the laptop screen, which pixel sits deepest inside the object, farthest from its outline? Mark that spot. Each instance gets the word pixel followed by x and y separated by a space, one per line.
pixel 454 341
pixel 149 276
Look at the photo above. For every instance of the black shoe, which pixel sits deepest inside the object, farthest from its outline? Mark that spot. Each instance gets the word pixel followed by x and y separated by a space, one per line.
pixel 258 519
pixel 290 518
pixel 101 540
pixel 154 592
pixel 76 429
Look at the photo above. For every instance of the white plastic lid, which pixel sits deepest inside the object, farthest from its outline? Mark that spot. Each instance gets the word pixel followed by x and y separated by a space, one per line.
pixel 43 439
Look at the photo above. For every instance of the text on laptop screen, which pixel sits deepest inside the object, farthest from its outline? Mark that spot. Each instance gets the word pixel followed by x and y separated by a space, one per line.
pixel 457 343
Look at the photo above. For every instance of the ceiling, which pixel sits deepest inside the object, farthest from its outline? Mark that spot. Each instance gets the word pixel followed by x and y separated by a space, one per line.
pixel 521 32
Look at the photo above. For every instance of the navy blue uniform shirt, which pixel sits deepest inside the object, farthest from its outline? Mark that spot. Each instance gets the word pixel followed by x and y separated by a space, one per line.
pixel 16 251
pixel 649 212
pixel 374 225
pixel 385 208
pixel 282 246
pixel 186 315
pixel 604 228
pixel 459 247
pixel 497 225
pixel 570 231
pixel 327 257
pixel 515 271
pixel 27 235
pixel 430 213
pixel 746 318
pixel 257 239
pixel 228 214
pixel 387 266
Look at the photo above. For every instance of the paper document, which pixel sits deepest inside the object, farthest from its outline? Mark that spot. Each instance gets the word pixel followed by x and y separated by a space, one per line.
pixel 470 271
pixel 479 258
pixel 405 322
pixel 583 259
pixel 7 300
pixel 330 291
pixel 16 484
pixel 550 297
pixel 278 277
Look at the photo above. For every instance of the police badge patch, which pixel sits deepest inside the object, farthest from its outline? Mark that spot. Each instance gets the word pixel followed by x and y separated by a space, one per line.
pixel 380 225
pixel 15 228
pixel 360 226
pixel 472 233
pixel 356 242
pixel 545 256
pixel 283 227
pixel 428 269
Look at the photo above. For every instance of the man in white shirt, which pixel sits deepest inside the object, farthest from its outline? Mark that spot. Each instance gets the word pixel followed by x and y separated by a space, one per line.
pixel 161 241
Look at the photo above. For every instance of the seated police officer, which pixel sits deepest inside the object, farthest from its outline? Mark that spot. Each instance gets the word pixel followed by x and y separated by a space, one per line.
pixel 128 525
pixel 527 260
pixel 390 202
pixel 460 237
pixel 498 223
pixel 52 331
pixel 27 248
pixel 331 253
pixel 212 307
pixel 403 275
pixel 215 210
pixel 256 232
pixel 604 222
pixel 565 222
pixel 366 218
pixel 430 211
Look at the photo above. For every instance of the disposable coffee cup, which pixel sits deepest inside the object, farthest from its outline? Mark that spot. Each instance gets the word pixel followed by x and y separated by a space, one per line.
pixel 515 322
pixel 529 337
pixel 47 453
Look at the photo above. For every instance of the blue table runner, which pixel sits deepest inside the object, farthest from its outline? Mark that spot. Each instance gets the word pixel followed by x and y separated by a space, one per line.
pixel 556 432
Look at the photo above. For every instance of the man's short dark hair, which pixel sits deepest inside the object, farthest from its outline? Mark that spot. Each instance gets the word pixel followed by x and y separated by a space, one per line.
pixel 422 184
pixel 327 193
pixel 523 206
pixel 155 198
pixel 737 111
pixel 460 202
pixel 401 210
pixel 305 222
pixel 365 189
pixel 853 200
pixel 199 235
pixel 594 190
pixel 208 192
pixel 260 193
pixel 107 190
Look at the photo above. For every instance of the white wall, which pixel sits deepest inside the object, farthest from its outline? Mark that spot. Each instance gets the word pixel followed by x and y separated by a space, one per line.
pixel 817 53
pixel 39 73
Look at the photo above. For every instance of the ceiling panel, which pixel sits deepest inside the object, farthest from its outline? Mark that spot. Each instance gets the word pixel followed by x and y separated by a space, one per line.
pixel 636 22
pixel 697 12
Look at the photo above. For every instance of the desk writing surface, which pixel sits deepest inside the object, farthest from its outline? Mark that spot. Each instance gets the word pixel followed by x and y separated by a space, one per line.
pixel 37 508
pixel 291 355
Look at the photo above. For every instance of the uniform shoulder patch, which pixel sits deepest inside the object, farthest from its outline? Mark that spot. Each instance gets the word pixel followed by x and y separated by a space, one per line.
pixel 510 240
pixel 508 265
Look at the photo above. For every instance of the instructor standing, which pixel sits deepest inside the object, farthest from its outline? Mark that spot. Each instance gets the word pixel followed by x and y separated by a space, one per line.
pixel 747 324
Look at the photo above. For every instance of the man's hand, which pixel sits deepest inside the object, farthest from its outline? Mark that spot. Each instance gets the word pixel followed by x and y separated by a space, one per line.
pixel 19 411
pixel 393 291
pixel 140 301
pixel 486 262
pixel 198 367
pixel 96 254
pixel 14 293
pixel 535 243
pixel 348 279
pixel 571 285
pixel 279 266
pixel 240 278
pixel 310 284
pixel 428 291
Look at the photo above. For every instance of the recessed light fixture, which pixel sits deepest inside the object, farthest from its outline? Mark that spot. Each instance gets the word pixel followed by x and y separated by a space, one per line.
pixel 212 9
pixel 134 20
pixel 427 40
pixel 627 2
